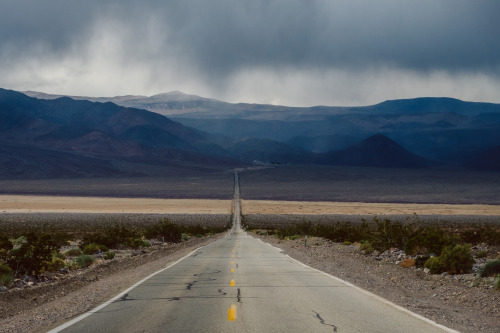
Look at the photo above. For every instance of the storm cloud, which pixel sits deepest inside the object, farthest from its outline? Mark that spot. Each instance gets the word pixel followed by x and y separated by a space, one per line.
pixel 283 51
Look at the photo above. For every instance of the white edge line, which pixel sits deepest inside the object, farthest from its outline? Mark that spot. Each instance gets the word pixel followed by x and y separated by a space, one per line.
pixel 366 292
pixel 103 305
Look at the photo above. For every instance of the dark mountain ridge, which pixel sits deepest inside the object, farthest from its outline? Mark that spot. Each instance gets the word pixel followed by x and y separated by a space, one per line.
pixel 207 131
pixel 375 151
pixel 93 130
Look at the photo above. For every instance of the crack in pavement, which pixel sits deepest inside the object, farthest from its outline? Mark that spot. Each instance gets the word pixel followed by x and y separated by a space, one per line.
pixel 322 321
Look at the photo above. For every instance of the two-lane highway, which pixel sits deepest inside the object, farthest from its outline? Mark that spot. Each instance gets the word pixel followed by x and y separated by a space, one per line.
pixel 240 284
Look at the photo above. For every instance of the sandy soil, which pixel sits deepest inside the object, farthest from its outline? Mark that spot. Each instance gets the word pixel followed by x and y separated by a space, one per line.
pixel 360 208
pixel 60 204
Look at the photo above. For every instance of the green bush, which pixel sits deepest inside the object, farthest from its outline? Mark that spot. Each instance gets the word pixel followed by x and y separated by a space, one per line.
pixel 5 243
pixel 93 248
pixel 137 243
pixel 113 236
pixel 434 265
pixel 428 240
pixel 6 274
pixel 367 247
pixel 108 255
pixel 484 234
pixel 54 265
pixel 482 254
pixel 165 231
pixel 491 268
pixel 30 257
pixel 19 241
pixel 73 252
pixel 389 234
pixel 457 259
pixel 84 260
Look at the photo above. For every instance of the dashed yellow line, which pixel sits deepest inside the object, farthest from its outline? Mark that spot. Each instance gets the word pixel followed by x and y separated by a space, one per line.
pixel 231 313
pixel 232 283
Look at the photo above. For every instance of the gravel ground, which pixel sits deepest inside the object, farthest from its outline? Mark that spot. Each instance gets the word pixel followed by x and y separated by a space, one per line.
pixel 464 302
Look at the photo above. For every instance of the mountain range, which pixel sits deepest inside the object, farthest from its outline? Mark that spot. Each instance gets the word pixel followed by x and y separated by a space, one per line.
pixel 58 136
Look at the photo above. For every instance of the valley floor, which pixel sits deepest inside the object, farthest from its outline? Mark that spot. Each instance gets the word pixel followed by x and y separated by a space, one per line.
pixel 105 205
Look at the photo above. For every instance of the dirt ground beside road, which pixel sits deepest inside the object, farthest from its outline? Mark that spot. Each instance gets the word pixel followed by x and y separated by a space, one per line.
pixel 63 204
pixel 362 208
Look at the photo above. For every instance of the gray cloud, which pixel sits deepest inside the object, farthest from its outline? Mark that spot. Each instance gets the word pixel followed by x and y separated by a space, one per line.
pixel 286 51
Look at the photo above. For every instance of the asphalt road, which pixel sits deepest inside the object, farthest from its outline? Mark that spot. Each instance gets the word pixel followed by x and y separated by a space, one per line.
pixel 240 284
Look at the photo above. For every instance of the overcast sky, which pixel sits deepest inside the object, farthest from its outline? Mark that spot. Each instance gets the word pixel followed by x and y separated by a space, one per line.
pixel 288 52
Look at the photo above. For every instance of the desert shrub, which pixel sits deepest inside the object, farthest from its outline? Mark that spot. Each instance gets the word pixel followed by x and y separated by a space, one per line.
pixel 484 234
pixel 482 254
pixel 497 283
pixel 93 248
pixel 19 241
pixel 113 236
pixel 108 255
pixel 60 238
pixel 54 265
pixel 457 259
pixel 428 240
pixel 73 252
pixel 293 237
pixel 5 243
pixel 137 243
pixel 340 232
pixel 70 264
pixel 6 274
pixel 367 247
pixel 346 243
pixel 5 247
pixel 165 230
pixel 434 265
pixel 420 261
pixel 30 257
pixel 84 260
pixel 491 268
pixel 196 230
pixel 305 228
pixel 389 234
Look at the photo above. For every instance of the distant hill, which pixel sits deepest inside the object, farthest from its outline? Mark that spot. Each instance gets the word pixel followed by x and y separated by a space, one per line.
pixel 269 151
pixel 29 162
pixel 36 133
pixel 375 151
pixel 487 161
pixel 446 130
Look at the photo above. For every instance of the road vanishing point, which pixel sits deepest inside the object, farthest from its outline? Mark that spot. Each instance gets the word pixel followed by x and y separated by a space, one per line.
pixel 241 284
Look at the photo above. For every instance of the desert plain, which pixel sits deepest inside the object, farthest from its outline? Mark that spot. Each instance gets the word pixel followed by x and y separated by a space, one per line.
pixel 73 204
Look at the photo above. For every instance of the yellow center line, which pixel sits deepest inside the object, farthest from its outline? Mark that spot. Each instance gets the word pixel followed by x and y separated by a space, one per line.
pixel 231 313
pixel 232 270
pixel 232 284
